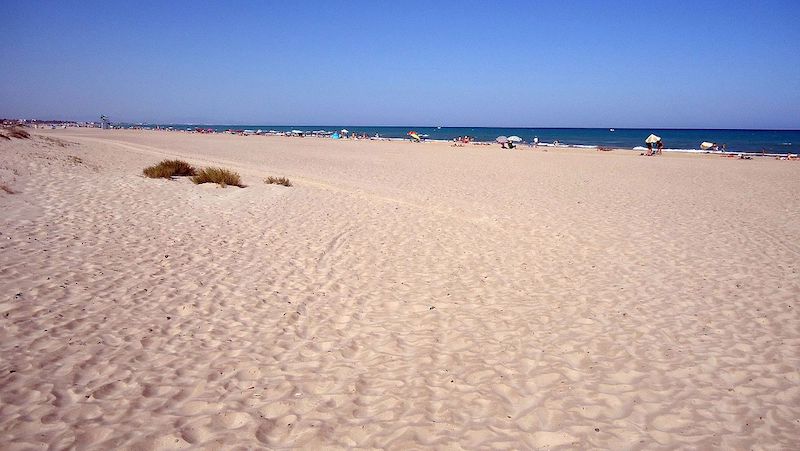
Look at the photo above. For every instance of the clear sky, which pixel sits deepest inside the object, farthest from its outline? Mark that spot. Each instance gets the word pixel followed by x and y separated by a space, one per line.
pixel 699 64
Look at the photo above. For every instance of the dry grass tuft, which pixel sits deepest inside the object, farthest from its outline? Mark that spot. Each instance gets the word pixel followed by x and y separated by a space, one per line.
pixel 221 176
pixel 278 181
pixel 16 132
pixel 56 141
pixel 6 188
pixel 168 169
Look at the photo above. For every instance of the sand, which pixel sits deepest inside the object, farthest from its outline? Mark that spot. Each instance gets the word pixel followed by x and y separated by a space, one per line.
pixel 399 296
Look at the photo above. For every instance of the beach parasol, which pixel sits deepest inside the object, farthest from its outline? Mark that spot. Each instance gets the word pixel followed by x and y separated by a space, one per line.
pixel 345 131
pixel 652 139
pixel 705 145
pixel 515 139
pixel 501 139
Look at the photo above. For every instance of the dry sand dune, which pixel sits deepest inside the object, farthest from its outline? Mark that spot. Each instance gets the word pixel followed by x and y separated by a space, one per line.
pixel 398 296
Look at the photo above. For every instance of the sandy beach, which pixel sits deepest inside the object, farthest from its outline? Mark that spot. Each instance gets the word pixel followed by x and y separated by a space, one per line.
pixel 398 295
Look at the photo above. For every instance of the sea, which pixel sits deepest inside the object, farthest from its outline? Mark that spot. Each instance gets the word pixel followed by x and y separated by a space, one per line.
pixel 687 140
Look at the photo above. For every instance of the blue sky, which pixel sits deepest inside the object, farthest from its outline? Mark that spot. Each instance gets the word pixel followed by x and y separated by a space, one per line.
pixel 701 64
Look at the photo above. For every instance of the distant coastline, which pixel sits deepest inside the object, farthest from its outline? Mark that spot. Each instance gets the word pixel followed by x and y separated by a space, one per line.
pixel 752 141
pixel 683 140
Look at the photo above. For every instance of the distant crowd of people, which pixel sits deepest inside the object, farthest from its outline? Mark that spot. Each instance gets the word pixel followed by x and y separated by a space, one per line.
pixel 505 143
pixel 461 140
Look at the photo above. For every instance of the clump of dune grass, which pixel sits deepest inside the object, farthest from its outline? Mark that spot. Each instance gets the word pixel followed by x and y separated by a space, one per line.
pixel 168 169
pixel 56 141
pixel 277 181
pixel 220 176
pixel 16 132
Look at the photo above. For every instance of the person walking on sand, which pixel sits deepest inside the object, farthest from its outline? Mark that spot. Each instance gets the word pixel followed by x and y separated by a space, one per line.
pixel 660 146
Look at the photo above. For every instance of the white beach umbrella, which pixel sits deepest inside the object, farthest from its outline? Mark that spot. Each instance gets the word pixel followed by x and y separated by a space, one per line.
pixel 515 139
pixel 501 139
pixel 345 131
pixel 652 139
pixel 705 145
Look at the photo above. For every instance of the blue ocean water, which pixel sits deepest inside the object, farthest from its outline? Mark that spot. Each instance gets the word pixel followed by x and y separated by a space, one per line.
pixel 769 141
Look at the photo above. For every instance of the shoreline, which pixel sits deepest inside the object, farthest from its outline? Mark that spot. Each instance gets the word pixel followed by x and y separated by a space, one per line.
pixel 396 134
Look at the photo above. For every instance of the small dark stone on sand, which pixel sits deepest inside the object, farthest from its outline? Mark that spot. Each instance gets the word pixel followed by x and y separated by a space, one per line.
pixel 597 429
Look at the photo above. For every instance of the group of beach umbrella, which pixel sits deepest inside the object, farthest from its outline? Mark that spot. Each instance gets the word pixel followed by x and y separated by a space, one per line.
pixel 652 139
pixel 508 139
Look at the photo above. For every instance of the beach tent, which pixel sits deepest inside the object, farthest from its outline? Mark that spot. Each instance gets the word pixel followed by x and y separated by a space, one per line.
pixel 515 139
pixel 335 135
pixel 652 139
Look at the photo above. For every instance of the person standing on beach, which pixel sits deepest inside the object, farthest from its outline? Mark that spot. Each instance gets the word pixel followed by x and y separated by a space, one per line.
pixel 660 147
pixel 535 141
